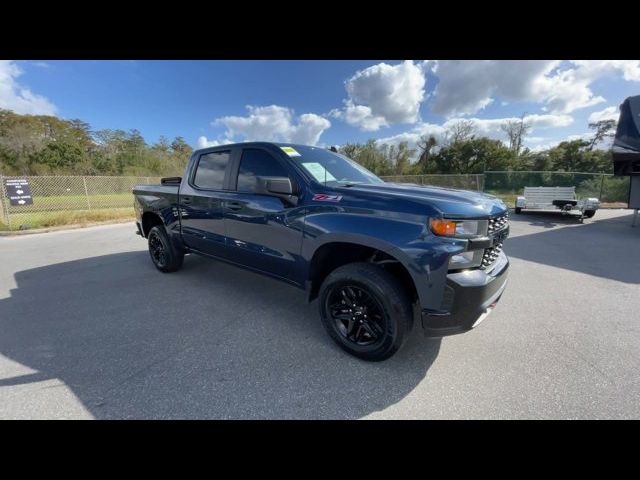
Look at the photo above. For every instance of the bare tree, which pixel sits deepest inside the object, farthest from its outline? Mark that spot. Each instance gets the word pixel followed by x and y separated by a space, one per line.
pixel 460 131
pixel 516 131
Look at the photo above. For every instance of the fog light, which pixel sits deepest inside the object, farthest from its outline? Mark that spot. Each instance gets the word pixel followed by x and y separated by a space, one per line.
pixel 470 259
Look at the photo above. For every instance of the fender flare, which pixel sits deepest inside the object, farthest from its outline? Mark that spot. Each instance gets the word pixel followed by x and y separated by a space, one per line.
pixel 417 276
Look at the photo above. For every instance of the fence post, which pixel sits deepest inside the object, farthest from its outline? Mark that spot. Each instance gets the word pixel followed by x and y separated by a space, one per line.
pixel 86 192
pixel 478 182
pixel 601 188
pixel 3 202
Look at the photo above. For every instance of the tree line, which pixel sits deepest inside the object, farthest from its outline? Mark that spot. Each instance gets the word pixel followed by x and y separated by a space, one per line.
pixel 47 145
pixel 461 150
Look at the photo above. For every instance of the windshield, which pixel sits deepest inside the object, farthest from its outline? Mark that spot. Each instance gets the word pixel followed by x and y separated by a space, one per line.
pixel 330 168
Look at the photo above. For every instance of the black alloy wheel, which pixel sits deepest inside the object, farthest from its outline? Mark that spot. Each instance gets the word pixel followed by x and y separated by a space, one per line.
pixel 164 255
pixel 358 316
pixel 365 310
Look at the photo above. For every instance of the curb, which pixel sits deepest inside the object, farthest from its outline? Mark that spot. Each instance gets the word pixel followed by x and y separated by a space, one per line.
pixel 13 233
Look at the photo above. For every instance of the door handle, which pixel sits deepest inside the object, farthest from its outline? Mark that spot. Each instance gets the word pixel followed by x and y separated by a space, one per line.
pixel 186 200
pixel 235 206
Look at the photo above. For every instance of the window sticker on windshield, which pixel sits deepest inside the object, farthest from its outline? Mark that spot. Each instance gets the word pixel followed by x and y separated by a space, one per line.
pixel 320 173
pixel 290 151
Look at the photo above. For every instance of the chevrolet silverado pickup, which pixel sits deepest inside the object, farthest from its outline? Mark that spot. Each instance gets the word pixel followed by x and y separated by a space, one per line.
pixel 375 255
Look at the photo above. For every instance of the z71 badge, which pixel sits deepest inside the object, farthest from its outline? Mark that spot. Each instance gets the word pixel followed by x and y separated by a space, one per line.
pixel 324 197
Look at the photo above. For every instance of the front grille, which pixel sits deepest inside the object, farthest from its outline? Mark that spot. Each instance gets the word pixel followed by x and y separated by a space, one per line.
pixel 498 223
pixel 490 255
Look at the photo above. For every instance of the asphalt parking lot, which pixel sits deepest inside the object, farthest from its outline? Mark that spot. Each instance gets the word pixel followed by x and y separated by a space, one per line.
pixel 89 329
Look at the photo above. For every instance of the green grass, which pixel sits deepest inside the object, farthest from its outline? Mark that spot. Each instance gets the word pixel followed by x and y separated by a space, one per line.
pixel 26 221
pixel 74 202
pixel 49 211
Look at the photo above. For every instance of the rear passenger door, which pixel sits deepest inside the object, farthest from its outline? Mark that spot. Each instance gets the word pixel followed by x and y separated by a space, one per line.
pixel 201 202
pixel 256 224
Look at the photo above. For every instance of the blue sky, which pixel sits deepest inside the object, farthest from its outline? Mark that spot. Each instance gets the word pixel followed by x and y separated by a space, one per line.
pixel 324 102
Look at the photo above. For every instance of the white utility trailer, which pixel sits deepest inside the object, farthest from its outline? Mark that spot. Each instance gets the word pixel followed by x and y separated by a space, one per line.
pixel 560 198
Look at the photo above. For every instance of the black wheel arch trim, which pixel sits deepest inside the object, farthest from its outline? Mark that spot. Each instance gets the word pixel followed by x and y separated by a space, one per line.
pixel 418 278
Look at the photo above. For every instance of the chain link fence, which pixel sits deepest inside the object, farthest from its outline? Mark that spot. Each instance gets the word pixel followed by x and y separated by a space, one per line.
pixel 613 192
pixel 464 182
pixel 59 200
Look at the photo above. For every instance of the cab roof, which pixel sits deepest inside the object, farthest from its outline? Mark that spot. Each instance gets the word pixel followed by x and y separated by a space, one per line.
pixel 256 144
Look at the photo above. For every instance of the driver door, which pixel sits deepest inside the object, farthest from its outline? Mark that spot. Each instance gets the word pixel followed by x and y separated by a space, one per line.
pixel 258 234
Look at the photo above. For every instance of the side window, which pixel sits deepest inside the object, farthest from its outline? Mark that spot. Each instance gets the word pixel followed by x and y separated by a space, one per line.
pixel 257 163
pixel 210 171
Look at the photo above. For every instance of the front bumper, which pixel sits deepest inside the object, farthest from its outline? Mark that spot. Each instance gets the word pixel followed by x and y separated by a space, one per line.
pixel 469 298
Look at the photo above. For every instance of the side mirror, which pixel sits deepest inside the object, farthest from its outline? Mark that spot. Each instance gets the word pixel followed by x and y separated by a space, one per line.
pixel 280 187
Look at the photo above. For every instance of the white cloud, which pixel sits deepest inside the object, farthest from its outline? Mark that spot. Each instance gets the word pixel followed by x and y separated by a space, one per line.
pixel 360 116
pixel 579 136
pixel 273 123
pixel 541 146
pixel 605 144
pixel 490 127
pixel 412 136
pixel 467 86
pixel 204 142
pixel 18 98
pixel 382 95
pixel 594 68
pixel 609 113
pixel 566 90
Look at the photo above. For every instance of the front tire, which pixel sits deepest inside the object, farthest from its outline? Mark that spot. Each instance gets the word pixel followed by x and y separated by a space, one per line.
pixel 518 210
pixel 589 213
pixel 365 311
pixel 164 255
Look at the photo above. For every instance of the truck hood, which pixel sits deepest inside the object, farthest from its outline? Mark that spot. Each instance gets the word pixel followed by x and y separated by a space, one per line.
pixel 450 202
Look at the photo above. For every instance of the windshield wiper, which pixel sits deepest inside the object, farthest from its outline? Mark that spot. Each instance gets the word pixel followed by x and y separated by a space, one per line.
pixel 350 184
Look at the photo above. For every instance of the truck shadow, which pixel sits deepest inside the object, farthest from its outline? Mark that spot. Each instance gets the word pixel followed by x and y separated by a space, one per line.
pixel 209 341
pixel 604 247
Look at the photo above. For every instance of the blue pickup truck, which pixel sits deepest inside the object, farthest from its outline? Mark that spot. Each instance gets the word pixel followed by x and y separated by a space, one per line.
pixel 376 255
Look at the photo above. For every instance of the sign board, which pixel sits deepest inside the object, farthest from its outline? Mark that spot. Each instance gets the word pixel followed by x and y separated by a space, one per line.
pixel 18 191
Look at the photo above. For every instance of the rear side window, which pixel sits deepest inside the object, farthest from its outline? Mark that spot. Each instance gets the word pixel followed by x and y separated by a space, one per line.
pixel 257 163
pixel 210 171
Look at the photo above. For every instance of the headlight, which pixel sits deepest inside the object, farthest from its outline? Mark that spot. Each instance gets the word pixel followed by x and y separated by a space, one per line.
pixel 467 227
pixel 470 259
pixel 458 228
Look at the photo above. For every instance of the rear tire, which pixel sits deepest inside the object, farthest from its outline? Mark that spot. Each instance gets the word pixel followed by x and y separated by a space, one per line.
pixel 518 210
pixel 164 255
pixel 589 213
pixel 365 311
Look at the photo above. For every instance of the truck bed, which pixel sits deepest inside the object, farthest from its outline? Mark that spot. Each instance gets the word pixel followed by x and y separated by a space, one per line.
pixel 160 199
pixel 155 189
